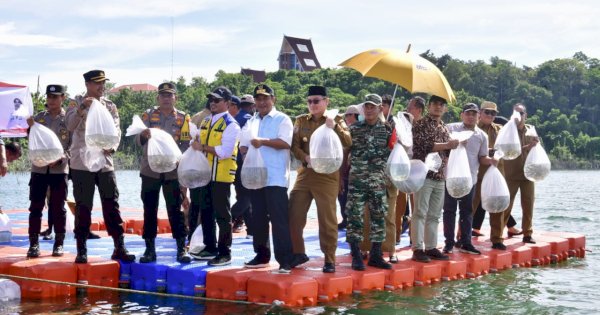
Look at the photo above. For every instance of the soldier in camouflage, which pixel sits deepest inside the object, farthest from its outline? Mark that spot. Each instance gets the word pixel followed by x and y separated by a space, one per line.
pixel 370 149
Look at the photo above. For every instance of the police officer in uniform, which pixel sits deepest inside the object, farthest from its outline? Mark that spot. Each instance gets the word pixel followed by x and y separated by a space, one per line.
pixel 175 122
pixel 323 188
pixel 84 181
pixel 372 142
pixel 51 178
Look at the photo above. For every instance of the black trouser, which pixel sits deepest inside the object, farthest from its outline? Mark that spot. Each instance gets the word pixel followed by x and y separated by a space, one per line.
pixel 271 203
pixel 465 219
pixel 242 205
pixel 84 183
pixel 343 199
pixel 172 193
pixel 212 202
pixel 479 216
pixel 38 190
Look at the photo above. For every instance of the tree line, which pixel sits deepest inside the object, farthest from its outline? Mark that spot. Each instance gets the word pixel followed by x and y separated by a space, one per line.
pixel 562 98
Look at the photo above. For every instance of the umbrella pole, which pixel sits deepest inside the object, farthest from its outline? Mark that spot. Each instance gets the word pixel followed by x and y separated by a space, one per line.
pixel 392 104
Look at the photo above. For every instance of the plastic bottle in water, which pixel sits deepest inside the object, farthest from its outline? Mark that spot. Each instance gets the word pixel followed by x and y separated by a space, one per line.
pixel 9 290
pixel 5 236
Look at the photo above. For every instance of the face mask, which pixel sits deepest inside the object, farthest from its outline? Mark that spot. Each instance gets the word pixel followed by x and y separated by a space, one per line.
pixel 361 117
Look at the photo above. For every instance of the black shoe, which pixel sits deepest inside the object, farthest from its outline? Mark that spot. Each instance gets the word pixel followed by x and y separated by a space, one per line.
pixel 499 246
pixel 329 267
pixel 476 233
pixel 181 256
pixel 34 246
pixel 93 236
pixel 435 254
pixel 376 257
pixel 285 269
pixel 257 262
pixel 46 232
pixel 357 259
pixel 205 254
pixel 48 237
pixel 81 251
pixel 57 249
pixel 469 249
pixel 448 248
pixel 420 256
pixel 150 252
pixel 120 252
pixel 220 260
pixel 342 226
pixel 298 260
pixel 528 239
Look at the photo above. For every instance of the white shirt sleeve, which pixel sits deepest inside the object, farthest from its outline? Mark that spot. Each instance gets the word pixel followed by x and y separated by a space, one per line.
pixel 286 130
pixel 245 134
pixel 231 135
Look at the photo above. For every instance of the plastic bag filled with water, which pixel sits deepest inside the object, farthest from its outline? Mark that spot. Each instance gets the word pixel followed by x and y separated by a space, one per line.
pixel 495 196
pixel 458 174
pixel 100 129
pixel 403 130
pixel 507 140
pixel 326 152
pixel 415 179
pixel 398 164
pixel 194 170
pixel 163 152
pixel 93 158
pixel 44 146
pixel 254 173
pixel 5 228
pixel 433 162
pixel 537 165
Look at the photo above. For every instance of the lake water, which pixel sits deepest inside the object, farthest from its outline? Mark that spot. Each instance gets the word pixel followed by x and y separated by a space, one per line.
pixel 566 201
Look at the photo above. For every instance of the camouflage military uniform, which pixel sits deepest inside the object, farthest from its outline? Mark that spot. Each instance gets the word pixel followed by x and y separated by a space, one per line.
pixel 368 156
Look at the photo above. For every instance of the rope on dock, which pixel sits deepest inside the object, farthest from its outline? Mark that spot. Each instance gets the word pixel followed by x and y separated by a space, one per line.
pixel 91 286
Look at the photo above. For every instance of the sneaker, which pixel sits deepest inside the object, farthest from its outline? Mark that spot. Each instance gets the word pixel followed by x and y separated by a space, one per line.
pixel 284 269
pixel 298 260
pixel 257 262
pixel 499 246
pixel 448 249
pixel 220 260
pixel 469 249
pixel 435 253
pixel 205 254
pixel 420 256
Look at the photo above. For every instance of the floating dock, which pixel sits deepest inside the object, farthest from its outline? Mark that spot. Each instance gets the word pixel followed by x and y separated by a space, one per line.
pixel 305 286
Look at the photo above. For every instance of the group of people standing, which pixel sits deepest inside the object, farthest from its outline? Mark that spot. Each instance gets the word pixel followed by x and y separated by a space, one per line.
pixel 371 206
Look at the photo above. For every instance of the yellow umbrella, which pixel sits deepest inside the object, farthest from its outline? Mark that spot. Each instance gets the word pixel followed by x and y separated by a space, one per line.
pixel 412 72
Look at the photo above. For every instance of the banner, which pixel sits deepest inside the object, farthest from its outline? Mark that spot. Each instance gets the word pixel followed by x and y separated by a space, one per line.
pixel 15 107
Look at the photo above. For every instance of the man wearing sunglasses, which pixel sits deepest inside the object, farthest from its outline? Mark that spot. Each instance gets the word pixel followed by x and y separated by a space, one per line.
pixel 323 188
pixel 219 134
pixel 488 113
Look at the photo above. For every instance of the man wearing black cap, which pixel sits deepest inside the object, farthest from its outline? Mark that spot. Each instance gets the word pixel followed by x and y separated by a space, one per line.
pixel 234 106
pixel 270 203
pixel 175 122
pixel 241 211
pixel 218 139
pixel 430 134
pixel 53 176
pixel 477 153
pixel 84 181
pixel 323 188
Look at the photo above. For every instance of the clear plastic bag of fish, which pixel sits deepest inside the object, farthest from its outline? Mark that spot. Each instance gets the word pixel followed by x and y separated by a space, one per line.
pixel 403 130
pixel 537 165
pixel 458 174
pixel 100 129
pixel 398 164
pixel 163 152
pixel 415 179
pixel 254 173
pixel 196 241
pixel 507 140
pixel 433 162
pixel 93 158
pixel 326 152
pixel 495 196
pixel 194 170
pixel 44 146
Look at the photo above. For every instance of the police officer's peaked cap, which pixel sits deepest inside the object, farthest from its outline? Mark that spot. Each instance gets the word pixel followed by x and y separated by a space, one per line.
pixel 167 87
pixel 220 92
pixel 56 89
pixel 317 90
pixel 95 76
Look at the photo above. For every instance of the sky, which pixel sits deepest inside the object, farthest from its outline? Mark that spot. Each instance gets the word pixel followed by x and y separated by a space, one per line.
pixel 150 41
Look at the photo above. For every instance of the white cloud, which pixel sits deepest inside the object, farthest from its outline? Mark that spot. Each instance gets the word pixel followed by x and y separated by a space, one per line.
pixel 10 36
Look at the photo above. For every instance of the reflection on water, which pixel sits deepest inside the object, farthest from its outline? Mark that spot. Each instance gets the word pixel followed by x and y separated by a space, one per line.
pixel 565 201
